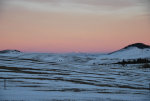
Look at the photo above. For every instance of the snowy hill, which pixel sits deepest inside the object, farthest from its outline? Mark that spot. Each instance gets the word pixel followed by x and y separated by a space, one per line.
pixel 133 51
pixel 138 45
pixel 10 51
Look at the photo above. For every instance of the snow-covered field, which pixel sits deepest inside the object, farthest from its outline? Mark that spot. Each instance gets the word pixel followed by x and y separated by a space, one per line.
pixel 73 77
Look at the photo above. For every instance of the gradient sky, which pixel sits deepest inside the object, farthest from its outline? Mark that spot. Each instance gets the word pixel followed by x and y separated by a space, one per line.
pixel 73 25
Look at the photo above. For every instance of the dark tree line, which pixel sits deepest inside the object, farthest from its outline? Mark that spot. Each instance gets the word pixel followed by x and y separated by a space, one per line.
pixel 133 61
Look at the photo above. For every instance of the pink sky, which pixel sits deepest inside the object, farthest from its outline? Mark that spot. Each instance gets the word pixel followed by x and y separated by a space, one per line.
pixel 73 25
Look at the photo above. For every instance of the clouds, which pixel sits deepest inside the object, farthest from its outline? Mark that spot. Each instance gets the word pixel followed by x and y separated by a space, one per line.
pixel 1 5
pixel 82 4
pixel 99 7
pixel 106 3
pixel 94 3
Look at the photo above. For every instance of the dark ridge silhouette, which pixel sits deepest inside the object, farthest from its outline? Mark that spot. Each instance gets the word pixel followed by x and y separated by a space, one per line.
pixel 137 45
pixel 9 51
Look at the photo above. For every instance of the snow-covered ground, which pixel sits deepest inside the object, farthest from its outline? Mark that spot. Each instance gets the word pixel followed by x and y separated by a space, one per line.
pixel 47 76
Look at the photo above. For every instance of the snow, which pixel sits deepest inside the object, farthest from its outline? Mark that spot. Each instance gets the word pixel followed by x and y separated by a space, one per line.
pixel 50 77
pixel 90 59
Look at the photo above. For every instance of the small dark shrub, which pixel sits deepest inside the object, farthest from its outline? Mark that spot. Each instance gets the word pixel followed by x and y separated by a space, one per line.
pixel 134 61
pixel 145 65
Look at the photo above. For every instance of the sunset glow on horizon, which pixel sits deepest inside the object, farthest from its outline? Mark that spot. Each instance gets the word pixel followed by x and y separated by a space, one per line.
pixel 73 25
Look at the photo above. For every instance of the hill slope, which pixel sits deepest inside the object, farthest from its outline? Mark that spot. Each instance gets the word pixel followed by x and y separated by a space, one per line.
pixel 137 50
pixel 133 51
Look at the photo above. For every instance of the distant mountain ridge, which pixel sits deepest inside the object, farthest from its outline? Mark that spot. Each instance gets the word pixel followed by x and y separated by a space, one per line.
pixel 10 51
pixel 135 45
pixel 138 45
